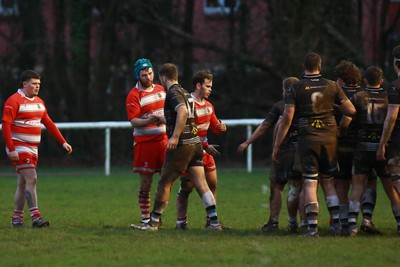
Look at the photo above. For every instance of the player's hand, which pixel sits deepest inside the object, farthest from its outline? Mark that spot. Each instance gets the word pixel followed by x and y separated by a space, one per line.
pixel 68 148
pixel 275 154
pixel 172 143
pixel 242 147
pixel 13 156
pixel 380 153
pixel 221 127
pixel 211 149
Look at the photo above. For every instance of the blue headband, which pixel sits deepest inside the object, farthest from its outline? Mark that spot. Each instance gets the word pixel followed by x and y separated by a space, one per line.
pixel 140 64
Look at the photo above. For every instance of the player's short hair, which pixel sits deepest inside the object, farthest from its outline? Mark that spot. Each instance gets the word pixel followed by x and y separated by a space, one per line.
pixel 348 72
pixel 373 75
pixel 288 82
pixel 27 75
pixel 201 76
pixel 312 61
pixel 169 70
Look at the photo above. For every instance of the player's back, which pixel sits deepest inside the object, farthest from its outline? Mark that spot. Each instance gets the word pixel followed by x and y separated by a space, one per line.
pixel 371 105
pixel 314 97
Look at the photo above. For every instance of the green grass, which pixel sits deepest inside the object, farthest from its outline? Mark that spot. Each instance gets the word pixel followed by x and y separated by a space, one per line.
pixel 91 214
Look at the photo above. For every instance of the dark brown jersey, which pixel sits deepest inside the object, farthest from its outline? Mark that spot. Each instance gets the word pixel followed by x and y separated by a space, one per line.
pixel 177 96
pixel 371 105
pixel 351 137
pixel 314 98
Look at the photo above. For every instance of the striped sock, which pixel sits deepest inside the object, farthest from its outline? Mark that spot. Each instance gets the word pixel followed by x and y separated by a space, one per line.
pixel 144 205
pixel 332 203
pixel 34 212
pixel 312 217
pixel 368 203
pixel 17 217
pixel 354 208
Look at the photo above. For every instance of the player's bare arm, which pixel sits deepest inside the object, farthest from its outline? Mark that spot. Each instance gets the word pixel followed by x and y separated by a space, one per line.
pixel 388 126
pixel 283 129
pixel 260 130
pixel 348 108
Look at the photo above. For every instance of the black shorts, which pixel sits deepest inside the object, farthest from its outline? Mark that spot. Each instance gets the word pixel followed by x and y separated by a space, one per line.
pixel 345 163
pixel 364 162
pixel 282 171
pixel 317 159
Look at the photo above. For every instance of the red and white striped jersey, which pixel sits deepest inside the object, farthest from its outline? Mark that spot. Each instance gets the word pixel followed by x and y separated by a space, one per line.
pixel 205 119
pixel 141 103
pixel 22 118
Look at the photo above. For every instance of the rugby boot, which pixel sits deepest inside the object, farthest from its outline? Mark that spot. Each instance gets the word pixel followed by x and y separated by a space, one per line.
pixel 369 227
pixel 40 222
pixel 270 227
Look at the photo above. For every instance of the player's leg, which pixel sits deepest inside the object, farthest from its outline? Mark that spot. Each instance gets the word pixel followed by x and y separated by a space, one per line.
pixel 182 202
pixel 30 177
pixel 144 196
pixel 275 198
pixel 311 206
pixel 309 153
pixel 359 182
pixel 148 160
pixel 211 178
pixel 275 204
pixel 394 200
pixel 293 203
pixel 368 206
pixel 197 175
pixel 342 184
pixel 175 164
pixel 332 201
pixel 19 202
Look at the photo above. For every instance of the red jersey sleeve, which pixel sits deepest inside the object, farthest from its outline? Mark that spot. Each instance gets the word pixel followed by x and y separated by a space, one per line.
pixel 52 128
pixel 133 104
pixel 214 121
pixel 6 129
pixel 9 113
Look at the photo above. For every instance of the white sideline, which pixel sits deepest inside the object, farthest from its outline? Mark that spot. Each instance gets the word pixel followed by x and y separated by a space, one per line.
pixel 108 125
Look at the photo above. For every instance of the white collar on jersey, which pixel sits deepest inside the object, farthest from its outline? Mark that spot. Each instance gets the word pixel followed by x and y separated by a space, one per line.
pixel 140 88
pixel 200 102
pixel 24 95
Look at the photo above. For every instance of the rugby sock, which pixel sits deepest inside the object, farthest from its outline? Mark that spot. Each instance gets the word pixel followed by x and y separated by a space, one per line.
pixel 292 220
pixel 368 203
pixel 209 203
pixel 155 217
pixel 354 208
pixel 17 216
pixel 332 203
pixel 312 217
pixel 144 205
pixel 344 216
pixel 180 220
pixel 274 219
pixel 34 212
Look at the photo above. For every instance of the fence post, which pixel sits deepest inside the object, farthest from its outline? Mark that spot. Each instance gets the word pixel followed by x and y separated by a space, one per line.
pixel 108 151
pixel 249 151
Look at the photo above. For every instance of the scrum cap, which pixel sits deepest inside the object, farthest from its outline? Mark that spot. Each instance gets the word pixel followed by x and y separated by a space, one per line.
pixel 140 64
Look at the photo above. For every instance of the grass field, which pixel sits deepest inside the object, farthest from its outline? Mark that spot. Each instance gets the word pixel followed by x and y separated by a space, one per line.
pixel 91 214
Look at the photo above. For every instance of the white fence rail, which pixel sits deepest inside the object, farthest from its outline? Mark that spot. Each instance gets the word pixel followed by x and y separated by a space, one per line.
pixel 108 125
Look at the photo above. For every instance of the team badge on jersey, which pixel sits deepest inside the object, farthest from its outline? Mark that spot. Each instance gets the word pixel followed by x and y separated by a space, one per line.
pixel 317 124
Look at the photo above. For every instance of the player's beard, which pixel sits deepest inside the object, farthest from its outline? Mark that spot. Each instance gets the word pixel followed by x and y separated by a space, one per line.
pixel 146 83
